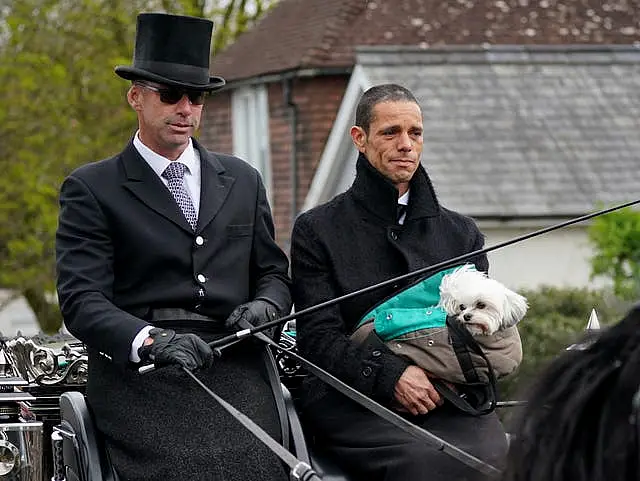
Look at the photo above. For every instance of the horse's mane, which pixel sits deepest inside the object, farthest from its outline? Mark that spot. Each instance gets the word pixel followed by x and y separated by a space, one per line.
pixel 580 423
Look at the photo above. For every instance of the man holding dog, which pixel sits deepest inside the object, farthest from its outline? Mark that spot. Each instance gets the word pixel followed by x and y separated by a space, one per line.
pixel 160 249
pixel 387 224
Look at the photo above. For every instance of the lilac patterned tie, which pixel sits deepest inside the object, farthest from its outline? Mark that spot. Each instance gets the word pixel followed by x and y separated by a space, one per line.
pixel 174 174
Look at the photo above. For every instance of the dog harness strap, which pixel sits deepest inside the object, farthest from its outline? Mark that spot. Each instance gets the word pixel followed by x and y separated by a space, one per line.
pixel 455 399
pixel 462 352
pixel 463 342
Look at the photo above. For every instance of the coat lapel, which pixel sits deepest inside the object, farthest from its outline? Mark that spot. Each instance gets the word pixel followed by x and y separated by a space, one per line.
pixel 143 182
pixel 214 186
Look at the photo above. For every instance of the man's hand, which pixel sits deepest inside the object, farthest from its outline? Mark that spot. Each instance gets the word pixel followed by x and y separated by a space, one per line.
pixel 415 393
pixel 256 313
pixel 164 348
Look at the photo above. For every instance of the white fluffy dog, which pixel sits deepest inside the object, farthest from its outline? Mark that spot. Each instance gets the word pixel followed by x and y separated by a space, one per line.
pixel 481 304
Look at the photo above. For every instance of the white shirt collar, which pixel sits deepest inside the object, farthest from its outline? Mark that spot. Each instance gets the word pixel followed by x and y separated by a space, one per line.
pixel 404 198
pixel 159 163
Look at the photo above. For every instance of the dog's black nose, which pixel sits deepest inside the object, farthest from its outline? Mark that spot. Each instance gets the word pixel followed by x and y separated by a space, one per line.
pixel 467 317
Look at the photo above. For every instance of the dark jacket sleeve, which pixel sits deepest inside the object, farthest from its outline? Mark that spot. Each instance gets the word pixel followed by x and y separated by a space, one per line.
pixel 269 261
pixel 84 262
pixel 323 338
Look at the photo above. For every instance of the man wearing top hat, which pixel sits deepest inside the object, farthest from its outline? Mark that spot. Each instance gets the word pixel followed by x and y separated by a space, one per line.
pixel 160 249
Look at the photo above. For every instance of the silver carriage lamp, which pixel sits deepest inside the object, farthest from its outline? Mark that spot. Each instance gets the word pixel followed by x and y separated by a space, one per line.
pixel 31 378
pixel 21 436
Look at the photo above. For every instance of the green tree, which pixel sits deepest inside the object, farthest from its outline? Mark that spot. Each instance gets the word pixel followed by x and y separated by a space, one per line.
pixel 616 240
pixel 61 106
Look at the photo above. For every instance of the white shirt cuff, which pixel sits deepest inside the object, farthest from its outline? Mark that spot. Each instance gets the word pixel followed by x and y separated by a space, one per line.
pixel 137 343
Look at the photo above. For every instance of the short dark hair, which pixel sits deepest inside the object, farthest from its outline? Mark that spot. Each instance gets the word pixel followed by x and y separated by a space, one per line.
pixel 376 95
pixel 581 420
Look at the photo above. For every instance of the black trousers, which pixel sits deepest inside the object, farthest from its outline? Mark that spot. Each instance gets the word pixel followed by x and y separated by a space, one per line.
pixel 371 449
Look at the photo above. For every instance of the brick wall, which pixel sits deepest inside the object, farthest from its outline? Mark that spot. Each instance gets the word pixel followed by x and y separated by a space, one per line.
pixel 215 130
pixel 318 100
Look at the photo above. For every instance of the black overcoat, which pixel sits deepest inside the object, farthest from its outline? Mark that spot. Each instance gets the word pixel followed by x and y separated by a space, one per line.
pixel 124 248
pixel 354 241
pixel 349 243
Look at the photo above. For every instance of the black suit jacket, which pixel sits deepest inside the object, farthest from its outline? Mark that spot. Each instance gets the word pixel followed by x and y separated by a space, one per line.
pixel 123 247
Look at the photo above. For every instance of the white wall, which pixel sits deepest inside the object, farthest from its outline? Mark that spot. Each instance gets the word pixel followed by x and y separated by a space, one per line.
pixel 16 315
pixel 560 258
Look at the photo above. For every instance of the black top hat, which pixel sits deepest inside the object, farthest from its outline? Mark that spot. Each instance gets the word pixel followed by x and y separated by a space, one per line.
pixel 172 50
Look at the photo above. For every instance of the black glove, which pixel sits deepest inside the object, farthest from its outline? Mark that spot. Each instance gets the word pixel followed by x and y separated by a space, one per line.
pixel 169 348
pixel 256 313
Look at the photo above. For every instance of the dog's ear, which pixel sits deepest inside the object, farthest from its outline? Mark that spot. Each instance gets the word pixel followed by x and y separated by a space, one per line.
pixel 448 303
pixel 447 295
pixel 515 307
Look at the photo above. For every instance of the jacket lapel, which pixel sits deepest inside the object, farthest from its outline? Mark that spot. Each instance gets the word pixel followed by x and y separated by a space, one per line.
pixel 143 182
pixel 214 186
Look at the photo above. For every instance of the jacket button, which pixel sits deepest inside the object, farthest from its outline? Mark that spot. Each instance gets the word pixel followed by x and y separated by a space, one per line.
pixel 201 278
pixel 376 353
pixel 366 372
pixel 199 240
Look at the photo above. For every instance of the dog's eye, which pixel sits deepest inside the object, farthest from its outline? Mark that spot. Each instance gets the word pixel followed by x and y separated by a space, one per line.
pixel 481 305
pixel 462 307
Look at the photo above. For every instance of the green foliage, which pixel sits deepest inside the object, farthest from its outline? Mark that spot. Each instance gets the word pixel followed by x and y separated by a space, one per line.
pixel 616 240
pixel 58 93
pixel 61 105
pixel 556 319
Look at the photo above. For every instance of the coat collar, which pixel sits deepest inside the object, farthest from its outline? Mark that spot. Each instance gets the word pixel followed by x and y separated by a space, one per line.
pixel 144 183
pixel 376 194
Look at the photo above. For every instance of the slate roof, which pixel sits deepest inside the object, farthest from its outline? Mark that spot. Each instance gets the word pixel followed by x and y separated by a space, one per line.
pixel 300 34
pixel 518 131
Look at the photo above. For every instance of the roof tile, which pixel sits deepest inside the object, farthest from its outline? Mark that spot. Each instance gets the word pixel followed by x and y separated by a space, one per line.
pixel 323 33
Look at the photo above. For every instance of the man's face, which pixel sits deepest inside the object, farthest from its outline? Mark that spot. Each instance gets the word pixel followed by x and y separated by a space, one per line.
pixel 394 142
pixel 164 127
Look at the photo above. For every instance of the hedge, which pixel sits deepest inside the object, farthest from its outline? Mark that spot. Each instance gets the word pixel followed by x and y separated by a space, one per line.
pixel 556 318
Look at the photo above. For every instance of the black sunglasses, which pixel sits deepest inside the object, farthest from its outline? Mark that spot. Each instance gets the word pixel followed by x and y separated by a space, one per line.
pixel 173 95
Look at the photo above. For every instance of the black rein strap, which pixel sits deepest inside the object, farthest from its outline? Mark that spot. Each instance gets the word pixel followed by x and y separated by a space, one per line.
pixel 299 470
pixel 387 414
